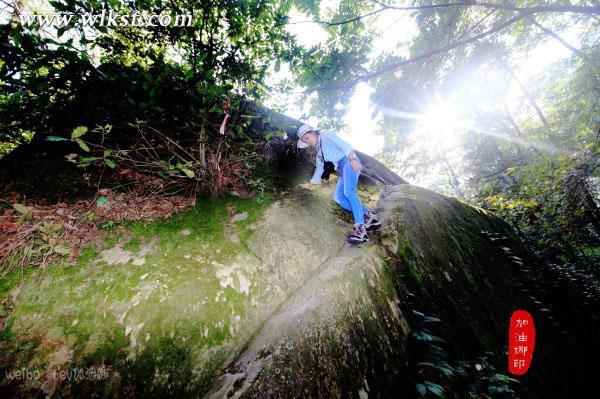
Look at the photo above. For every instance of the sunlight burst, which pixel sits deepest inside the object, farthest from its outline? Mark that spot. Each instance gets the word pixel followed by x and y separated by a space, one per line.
pixel 441 122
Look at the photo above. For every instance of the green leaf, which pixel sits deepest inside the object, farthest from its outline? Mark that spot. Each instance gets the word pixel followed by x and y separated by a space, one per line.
pixel 188 172
pixel 50 228
pixel 422 389
pixel 110 163
pixel 22 208
pixel 78 132
pixel 71 157
pixel 497 390
pixel 442 366
pixel 27 251
pixel 502 378
pixel 101 200
pixel 56 138
pixel 23 218
pixel 26 213
pixel 107 225
pixel 83 145
pixel 435 389
pixel 422 336
pixel 90 216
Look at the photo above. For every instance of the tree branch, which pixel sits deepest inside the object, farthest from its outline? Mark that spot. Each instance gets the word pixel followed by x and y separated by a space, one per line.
pixel 523 13
pixel 511 72
pixel 423 56
pixel 334 23
pixel 508 7
pixel 555 36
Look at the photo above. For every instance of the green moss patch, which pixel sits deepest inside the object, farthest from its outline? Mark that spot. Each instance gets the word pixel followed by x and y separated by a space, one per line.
pixel 454 258
pixel 166 314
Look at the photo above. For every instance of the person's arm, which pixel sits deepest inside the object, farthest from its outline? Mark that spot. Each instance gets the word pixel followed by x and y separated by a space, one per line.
pixel 316 178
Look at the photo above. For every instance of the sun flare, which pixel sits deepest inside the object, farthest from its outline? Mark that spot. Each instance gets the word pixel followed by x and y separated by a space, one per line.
pixel 441 122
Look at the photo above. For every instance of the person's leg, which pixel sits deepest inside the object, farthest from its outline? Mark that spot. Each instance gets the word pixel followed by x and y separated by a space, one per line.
pixel 340 198
pixel 350 180
pixel 338 195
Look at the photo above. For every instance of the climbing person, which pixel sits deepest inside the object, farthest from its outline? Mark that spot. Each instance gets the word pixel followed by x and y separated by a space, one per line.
pixel 333 153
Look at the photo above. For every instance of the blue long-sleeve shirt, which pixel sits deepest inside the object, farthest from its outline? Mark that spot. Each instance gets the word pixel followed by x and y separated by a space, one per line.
pixel 334 149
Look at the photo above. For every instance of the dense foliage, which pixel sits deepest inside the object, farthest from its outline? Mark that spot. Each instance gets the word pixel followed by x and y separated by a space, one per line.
pixel 160 87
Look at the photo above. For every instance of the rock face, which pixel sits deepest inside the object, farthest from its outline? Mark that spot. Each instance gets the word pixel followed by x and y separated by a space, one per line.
pixel 337 331
pixel 343 333
pixel 291 310
pixel 460 259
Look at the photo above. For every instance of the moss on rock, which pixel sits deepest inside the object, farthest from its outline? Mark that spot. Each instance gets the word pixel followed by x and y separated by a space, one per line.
pixel 176 307
pixel 454 255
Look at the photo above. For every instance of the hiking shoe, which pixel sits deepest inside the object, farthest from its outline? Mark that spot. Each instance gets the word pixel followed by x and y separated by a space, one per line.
pixel 371 221
pixel 359 235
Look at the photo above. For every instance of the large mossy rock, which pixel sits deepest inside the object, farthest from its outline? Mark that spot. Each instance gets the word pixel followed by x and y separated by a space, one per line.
pixel 343 332
pixel 462 261
pixel 273 302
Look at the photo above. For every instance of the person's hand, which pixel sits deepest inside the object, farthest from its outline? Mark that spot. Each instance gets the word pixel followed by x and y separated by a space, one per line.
pixel 307 186
pixel 355 163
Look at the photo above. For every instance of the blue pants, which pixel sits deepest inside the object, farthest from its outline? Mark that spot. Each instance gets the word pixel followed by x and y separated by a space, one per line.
pixel 345 191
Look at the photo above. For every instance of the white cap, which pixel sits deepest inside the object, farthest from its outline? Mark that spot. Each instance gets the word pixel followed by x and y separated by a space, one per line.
pixel 302 130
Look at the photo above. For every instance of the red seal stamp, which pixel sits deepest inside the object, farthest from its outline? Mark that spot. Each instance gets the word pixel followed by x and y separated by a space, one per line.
pixel 521 342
